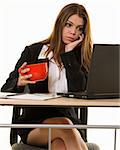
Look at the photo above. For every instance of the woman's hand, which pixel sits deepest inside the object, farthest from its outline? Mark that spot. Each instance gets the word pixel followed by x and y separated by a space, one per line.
pixel 23 78
pixel 72 45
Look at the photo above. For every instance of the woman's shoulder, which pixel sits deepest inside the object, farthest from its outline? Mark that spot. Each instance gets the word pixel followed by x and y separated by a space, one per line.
pixel 37 45
pixel 34 49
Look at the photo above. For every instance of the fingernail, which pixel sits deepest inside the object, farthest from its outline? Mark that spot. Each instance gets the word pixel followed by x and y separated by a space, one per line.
pixel 30 75
pixel 28 69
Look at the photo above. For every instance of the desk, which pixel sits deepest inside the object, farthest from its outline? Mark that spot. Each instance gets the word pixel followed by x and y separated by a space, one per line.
pixel 63 102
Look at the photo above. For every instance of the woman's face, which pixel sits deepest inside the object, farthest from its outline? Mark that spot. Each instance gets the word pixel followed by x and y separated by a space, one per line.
pixel 73 28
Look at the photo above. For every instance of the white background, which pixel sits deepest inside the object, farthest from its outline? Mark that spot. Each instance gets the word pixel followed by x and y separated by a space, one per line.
pixel 24 22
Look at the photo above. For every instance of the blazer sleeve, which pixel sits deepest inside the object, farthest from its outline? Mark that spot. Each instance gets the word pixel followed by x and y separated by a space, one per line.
pixel 76 76
pixel 11 82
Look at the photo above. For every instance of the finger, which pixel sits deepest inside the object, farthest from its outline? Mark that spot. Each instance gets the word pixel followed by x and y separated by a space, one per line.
pixel 25 70
pixel 26 77
pixel 81 37
pixel 29 82
pixel 22 67
pixel 32 82
pixel 76 42
pixel 26 80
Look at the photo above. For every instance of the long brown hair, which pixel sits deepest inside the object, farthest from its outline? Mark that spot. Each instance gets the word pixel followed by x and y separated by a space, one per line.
pixel 55 40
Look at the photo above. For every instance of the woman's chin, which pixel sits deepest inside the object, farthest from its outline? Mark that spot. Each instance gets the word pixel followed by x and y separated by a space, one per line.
pixel 67 42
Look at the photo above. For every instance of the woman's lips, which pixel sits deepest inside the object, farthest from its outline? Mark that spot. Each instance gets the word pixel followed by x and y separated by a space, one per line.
pixel 70 39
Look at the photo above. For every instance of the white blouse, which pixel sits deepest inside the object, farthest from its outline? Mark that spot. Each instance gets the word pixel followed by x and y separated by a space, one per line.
pixel 57 81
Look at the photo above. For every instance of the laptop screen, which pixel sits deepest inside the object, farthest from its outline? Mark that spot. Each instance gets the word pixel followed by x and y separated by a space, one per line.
pixel 105 69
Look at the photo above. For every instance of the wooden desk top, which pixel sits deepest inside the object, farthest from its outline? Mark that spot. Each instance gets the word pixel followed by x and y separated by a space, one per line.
pixel 64 102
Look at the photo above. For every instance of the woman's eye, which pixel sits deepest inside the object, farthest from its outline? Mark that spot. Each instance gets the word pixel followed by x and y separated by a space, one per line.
pixel 68 25
pixel 81 29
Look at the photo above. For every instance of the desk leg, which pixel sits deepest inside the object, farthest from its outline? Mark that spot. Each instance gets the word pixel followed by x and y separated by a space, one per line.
pixel 115 139
pixel 49 138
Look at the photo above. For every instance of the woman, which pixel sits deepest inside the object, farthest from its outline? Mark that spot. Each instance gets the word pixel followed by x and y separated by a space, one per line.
pixel 68 51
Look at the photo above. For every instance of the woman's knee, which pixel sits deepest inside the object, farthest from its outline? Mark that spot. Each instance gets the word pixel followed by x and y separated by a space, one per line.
pixel 58 144
pixel 65 120
pixel 72 132
pixel 58 120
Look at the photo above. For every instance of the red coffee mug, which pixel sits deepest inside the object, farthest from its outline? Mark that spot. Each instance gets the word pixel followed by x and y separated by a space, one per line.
pixel 39 71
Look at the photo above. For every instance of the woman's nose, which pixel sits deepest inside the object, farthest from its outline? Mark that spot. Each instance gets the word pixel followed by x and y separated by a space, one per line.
pixel 73 30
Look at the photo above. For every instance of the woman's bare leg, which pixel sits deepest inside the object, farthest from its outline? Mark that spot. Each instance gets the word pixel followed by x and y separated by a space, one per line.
pixel 58 144
pixel 70 138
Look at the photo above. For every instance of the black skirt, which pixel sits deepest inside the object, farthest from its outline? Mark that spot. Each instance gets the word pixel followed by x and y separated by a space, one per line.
pixel 39 114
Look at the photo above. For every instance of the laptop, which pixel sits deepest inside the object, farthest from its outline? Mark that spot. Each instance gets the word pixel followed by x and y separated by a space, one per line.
pixel 103 78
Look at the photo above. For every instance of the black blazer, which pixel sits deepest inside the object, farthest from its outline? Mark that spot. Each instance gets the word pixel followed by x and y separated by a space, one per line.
pixel 76 79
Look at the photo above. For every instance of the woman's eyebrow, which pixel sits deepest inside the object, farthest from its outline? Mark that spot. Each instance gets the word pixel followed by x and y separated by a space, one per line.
pixel 70 21
pixel 81 25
